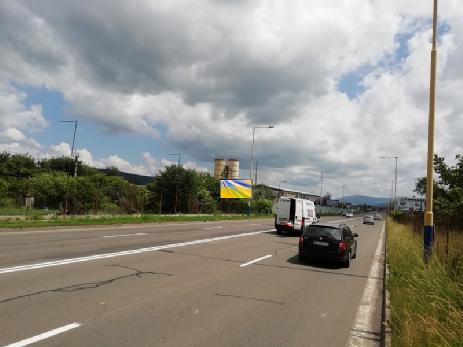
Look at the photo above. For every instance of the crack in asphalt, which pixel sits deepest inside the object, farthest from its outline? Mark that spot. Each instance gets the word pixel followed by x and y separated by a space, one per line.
pixel 250 298
pixel 89 285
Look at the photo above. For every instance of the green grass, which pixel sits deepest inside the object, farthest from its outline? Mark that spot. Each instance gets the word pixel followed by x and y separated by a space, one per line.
pixel 16 211
pixel 37 221
pixel 426 301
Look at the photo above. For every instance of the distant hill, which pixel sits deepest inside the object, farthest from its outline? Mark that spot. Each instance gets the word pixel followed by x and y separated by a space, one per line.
pixel 363 199
pixel 139 180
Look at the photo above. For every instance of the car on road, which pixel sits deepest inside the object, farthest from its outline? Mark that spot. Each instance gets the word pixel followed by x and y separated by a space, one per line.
pixel 377 216
pixel 328 242
pixel 349 214
pixel 368 219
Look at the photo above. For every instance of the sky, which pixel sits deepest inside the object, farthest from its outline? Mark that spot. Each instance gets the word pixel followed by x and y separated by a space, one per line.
pixel 343 82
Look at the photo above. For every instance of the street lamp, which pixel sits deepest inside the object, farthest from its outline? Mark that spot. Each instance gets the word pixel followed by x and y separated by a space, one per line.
pixel 252 146
pixel 179 156
pixel 395 180
pixel 279 186
pixel 74 136
pixel 252 156
pixel 322 173
pixel 428 232
pixel 75 167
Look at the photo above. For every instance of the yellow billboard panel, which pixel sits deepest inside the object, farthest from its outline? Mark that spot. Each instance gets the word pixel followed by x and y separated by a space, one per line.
pixel 235 189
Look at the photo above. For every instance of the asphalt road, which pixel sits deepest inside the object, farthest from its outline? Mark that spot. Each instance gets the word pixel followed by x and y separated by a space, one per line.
pixel 185 284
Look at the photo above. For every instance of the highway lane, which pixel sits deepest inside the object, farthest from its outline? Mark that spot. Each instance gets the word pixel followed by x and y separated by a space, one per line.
pixel 194 295
pixel 34 245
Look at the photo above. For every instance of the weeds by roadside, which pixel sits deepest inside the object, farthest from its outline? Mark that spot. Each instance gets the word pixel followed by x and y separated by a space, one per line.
pixel 426 301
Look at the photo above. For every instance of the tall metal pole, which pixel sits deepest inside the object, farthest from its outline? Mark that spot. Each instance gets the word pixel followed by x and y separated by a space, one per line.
pixel 179 156
pixel 395 185
pixel 252 160
pixel 250 169
pixel 252 153
pixel 75 168
pixel 394 196
pixel 321 187
pixel 391 203
pixel 428 232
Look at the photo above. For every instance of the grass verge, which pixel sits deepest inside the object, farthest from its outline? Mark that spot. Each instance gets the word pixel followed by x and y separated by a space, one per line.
pixel 426 301
pixel 70 221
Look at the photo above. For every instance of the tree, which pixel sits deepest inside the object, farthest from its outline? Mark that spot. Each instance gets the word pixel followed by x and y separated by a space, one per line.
pixel 448 191
pixel 17 165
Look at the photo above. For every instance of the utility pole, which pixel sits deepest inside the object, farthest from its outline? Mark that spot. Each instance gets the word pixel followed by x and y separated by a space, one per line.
pixel 395 180
pixel 321 183
pixel 428 232
pixel 252 158
pixel 75 168
pixel 255 174
pixel 179 157
pixel 321 187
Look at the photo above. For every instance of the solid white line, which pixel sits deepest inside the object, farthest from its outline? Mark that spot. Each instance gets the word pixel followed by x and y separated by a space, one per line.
pixel 45 335
pixel 118 227
pixel 125 235
pixel 364 319
pixel 343 220
pixel 219 227
pixel 255 260
pixel 122 253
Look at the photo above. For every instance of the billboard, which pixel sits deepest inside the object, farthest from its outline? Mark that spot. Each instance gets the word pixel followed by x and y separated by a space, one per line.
pixel 235 189
pixel 411 204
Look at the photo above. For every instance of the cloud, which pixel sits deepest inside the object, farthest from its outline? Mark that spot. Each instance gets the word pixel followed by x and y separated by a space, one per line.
pixel 201 78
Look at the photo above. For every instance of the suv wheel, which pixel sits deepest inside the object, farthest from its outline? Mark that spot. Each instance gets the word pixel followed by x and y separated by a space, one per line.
pixel 347 262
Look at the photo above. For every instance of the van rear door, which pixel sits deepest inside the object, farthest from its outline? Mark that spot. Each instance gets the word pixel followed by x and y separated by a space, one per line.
pixel 283 212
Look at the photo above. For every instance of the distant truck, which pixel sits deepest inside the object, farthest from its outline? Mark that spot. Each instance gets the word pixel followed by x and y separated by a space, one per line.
pixel 292 214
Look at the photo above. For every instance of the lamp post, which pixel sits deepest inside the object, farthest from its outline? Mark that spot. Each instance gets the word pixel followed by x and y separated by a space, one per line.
pixel 322 173
pixel 252 157
pixel 179 156
pixel 395 180
pixel 279 186
pixel 428 232
pixel 74 136
pixel 75 168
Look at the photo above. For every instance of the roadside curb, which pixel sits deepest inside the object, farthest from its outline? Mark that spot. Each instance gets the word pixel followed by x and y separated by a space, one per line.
pixel 386 332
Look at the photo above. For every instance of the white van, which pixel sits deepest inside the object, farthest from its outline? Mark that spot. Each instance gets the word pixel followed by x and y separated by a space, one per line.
pixel 292 214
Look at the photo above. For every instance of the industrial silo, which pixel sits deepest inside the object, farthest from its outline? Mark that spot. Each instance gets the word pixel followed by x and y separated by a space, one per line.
pixel 219 167
pixel 233 169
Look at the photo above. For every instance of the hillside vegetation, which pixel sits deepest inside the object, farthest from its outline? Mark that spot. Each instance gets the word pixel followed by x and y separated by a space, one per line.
pixel 53 187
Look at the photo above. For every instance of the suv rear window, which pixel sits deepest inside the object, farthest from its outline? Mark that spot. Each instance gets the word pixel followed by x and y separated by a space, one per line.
pixel 317 230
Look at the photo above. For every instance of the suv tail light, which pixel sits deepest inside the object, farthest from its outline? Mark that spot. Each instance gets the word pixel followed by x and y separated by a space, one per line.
pixel 303 221
pixel 301 240
pixel 342 246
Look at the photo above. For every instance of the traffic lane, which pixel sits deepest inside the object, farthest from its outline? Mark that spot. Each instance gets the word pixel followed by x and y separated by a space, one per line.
pixel 42 299
pixel 25 248
pixel 51 243
pixel 278 302
pixel 118 309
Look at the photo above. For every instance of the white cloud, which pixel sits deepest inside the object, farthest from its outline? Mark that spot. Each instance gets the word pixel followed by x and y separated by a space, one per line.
pixel 207 75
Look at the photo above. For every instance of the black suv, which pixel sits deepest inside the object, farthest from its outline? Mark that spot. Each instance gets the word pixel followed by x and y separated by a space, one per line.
pixel 328 242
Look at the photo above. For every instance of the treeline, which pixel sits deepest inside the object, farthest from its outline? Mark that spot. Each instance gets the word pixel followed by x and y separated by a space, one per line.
pixel 448 192
pixel 52 184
